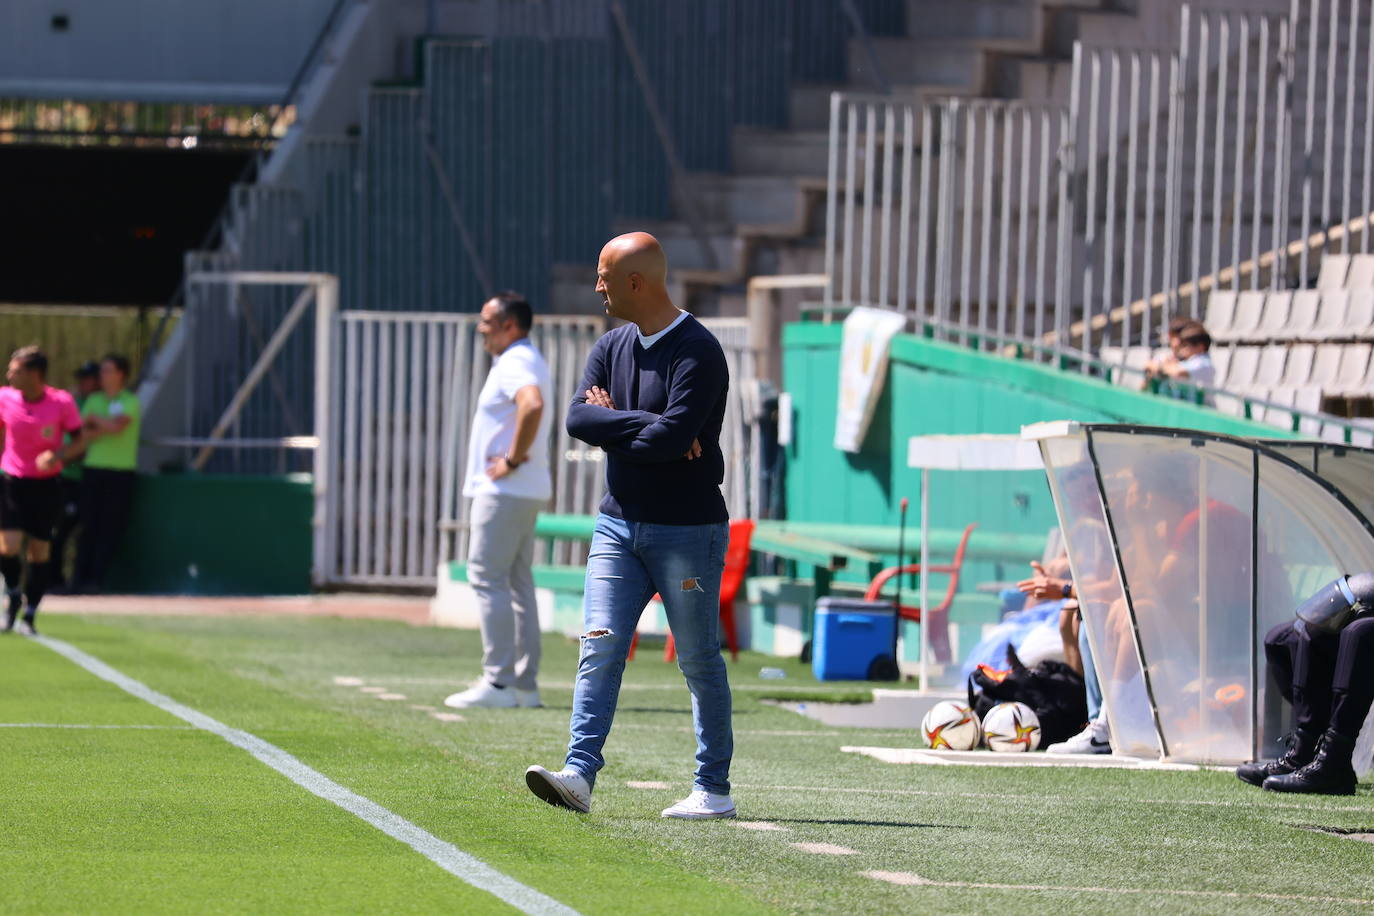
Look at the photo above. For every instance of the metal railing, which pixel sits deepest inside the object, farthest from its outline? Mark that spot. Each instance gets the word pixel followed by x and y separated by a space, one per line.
pixel 1222 162
pixel 1315 424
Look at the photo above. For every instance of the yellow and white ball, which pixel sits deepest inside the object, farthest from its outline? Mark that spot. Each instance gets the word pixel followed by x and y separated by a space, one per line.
pixel 951 726
pixel 1011 728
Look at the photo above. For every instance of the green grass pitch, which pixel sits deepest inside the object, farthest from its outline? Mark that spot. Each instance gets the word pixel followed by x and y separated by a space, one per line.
pixel 154 816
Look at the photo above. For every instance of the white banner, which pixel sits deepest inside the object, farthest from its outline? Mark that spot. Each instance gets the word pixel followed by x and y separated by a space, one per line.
pixel 863 368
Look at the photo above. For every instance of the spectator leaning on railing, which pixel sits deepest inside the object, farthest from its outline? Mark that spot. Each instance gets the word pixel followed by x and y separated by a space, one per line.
pixel 1190 359
pixel 110 418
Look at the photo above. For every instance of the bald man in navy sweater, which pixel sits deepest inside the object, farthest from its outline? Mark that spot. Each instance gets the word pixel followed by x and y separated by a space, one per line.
pixel 653 397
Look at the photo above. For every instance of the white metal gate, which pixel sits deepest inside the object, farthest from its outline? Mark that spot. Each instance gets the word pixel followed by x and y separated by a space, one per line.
pixel 408 384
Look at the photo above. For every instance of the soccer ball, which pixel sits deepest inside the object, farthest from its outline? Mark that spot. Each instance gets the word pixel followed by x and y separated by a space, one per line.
pixel 951 726
pixel 1011 728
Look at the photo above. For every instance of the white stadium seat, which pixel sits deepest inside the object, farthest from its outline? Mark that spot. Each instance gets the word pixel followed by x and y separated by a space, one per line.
pixel 1302 313
pixel 1271 363
pixel 1333 271
pixel 1361 274
pixel 1330 323
pixel 1221 359
pixel 1246 320
pixel 1298 370
pixel 1221 310
pixel 1244 363
pixel 1354 368
pixel 1326 365
pixel 1359 316
pixel 1274 318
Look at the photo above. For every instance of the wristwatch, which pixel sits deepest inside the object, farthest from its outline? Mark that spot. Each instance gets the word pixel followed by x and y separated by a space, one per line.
pixel 511 462
pixel 1068 589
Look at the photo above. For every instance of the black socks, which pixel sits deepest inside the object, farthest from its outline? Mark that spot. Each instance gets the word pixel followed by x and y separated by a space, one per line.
pixel 35 588
pixel 12 568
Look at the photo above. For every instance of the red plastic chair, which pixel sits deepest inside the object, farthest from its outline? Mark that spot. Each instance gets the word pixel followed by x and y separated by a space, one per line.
pixel 939 615
pixel 736 564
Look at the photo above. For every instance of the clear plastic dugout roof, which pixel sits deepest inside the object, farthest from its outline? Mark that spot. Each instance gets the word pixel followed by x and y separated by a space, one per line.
pixel 1186 547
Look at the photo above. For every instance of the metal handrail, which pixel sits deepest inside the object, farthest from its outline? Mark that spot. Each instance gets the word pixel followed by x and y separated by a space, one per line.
pixel 1068 358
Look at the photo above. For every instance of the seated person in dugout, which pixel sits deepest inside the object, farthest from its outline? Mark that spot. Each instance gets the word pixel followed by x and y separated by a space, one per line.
pixel 1321 663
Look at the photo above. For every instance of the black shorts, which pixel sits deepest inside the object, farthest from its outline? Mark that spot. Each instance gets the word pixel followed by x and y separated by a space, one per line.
pixel 30 505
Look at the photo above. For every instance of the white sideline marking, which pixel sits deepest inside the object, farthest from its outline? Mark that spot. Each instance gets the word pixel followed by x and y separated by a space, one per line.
pixel 391 696
pixel 373 689
pixel 349 681
pixel 422 708
pixel 910 879
pixel 442 853
pixel 825 849
pixel 1256 805
pixel 448 717
pixel 757 825
pixel 648 785
pixel 65 725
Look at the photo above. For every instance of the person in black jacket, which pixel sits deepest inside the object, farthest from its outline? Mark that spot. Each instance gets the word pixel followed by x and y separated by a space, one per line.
pixel 1322 663
pixel 653 397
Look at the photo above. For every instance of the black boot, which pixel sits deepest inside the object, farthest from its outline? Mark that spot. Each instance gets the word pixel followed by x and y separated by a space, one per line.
pixel 1329 773
pixel 1302 747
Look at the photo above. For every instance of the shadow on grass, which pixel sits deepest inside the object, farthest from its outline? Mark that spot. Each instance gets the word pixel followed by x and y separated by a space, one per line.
pixel 850 822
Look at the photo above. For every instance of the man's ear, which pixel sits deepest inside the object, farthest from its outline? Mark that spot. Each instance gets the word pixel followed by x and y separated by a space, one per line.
pixel 636 281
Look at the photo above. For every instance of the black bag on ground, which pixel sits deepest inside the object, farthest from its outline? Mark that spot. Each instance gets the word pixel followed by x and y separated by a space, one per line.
pixel 1052 689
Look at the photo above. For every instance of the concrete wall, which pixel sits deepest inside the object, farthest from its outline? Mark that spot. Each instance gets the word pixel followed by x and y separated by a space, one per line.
pixel 201 534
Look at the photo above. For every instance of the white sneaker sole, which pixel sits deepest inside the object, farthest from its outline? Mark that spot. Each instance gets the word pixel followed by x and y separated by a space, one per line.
pixel 541 782
pixel 1093 749
pixel 454 702
pixel 695 816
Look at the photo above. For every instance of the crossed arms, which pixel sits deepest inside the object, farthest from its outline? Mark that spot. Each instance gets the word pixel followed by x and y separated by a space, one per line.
pixel 640 436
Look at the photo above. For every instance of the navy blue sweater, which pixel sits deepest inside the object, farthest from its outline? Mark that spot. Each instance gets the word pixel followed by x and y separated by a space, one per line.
pixel 665 397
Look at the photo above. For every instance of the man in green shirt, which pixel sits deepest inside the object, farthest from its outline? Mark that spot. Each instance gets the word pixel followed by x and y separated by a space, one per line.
pixel 110 422
pixel 87 383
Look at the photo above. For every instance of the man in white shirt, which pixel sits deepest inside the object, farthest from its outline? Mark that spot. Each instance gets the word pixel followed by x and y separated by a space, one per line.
pixel 508 482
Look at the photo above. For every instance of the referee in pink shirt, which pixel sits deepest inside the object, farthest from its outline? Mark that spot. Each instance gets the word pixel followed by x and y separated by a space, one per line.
pixel 36 420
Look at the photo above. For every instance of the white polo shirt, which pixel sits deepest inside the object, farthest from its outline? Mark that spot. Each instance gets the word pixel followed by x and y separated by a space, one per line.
pixel 493 426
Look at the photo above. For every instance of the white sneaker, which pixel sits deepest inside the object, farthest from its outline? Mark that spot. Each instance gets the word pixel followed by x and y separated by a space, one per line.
pixel 1095 739
pixel 566 789
pixel 529 699
pixel 701 805
pixel 483 693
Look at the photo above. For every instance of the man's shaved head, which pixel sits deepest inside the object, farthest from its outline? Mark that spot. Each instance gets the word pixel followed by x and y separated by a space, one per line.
pixel 632 276
pixel 637 253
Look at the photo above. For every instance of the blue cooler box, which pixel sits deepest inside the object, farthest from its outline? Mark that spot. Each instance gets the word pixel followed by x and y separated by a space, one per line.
pixel 850 634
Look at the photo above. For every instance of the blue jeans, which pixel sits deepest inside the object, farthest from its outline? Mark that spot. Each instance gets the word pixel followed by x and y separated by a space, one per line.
pixel 1090 681
pixel 629 562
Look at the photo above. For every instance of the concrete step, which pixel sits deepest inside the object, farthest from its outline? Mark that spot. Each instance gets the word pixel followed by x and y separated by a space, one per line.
pixel 809 105
pixel 908 62
pixel 1111 29
pixel 758 151
pixel 768 202
pixel 1010 22
pixel 686 259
